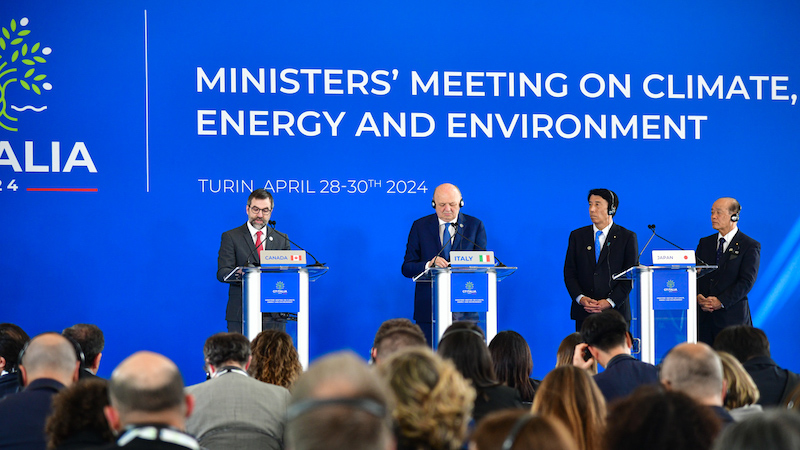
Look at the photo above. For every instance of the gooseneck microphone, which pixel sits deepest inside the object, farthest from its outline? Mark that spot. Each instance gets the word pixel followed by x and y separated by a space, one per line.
pixel 255 249
pixel 272 224
pixel 653 229
pixel 461 225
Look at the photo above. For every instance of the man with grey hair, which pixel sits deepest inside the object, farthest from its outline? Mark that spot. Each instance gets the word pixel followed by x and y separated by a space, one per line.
pixel 232 409
pixel 148 406
pixel 696 370
pixel 47 365
pixel 340 404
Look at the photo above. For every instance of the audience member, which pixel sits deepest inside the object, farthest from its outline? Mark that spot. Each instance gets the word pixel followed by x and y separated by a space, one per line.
pixel 750 346
pixel 394 335
pixel 792 402
pixel 773 430
pixel 433 402
pixel 78 421
pixel 339 404
pixel 12 339
pixel 465 345
pixel 275 359
pixel 521 430
pixel 231 409
pixel 742 393
pixel 569 394
pixel 566 352
pixel 696 370
pixel 606 337
pixel 658 419
pixel 513 363
pixel 46 365
pixel 91 341
pixel 148 405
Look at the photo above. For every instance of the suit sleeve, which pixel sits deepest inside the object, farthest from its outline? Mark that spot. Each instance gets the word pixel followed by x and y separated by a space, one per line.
pixel 481 236
pixel 619 294
pixel 571 268
pixel 413 264
pixel 746 278
pixel 226 261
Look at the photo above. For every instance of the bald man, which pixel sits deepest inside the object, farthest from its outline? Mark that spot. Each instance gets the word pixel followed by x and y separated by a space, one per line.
pixel 148 405
pixel 429 243
pixel 48 365
pixel 722 294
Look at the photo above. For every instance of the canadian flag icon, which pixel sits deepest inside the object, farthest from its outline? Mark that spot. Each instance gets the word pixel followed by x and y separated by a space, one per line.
pixel 296 258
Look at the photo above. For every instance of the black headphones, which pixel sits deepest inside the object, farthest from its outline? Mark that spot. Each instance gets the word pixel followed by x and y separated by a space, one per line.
pixel 367 405
pixel 515 430
pixel 78 354
pixel 612 207
pixel 460 203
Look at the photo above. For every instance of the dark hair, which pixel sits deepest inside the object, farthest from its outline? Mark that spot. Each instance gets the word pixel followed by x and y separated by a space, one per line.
pixel 535 432
pixel 389 326
pixel 89 337
pixel 275 359
pixel 463 343
pixel 79 409
pixel 512 362
pixel 12 339
pixel 223 347
pixel 655 418
pixel 399 338
pixel 605 330
pixel 261 194
pixel 742 341
pixel 607 195
pixel 772 429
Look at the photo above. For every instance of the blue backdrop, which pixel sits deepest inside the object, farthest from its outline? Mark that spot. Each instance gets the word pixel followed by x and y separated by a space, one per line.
pixel 524 105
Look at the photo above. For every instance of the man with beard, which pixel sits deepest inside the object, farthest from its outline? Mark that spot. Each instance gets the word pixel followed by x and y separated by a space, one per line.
pixel 241 246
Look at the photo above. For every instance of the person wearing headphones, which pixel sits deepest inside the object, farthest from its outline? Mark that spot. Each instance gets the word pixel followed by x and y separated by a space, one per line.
pixel 722 294
pixel 430 241
pixel 594 255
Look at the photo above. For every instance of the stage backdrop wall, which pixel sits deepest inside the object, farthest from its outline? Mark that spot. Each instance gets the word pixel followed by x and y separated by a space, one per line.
pixel 133 132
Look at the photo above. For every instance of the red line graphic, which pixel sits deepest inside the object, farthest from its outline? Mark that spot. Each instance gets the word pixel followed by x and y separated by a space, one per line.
pixel 63 189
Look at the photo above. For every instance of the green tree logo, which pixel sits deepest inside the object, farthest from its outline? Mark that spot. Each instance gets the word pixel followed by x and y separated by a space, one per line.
pixel 280 285
pixel 18 64
pixel 469 285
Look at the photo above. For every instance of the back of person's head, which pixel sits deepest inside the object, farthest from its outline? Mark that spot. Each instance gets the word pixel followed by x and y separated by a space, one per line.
pixel 513 363
pixel 605 331
pixel 397 339
pixel 89 337
pixel 657 419
pixel 774 429
pixel 339 404
pixel 741 389
pixel 696 370
pixel 12 339
pixel 571 395
pixel 391 324
pixel 433 401
pixel 146 384
pixel 49 355
pixel 78 409
pixel 521 430
pixel 275 359
pixel 465 345
pixel 743 342
pixel 223 348
pixel 566 351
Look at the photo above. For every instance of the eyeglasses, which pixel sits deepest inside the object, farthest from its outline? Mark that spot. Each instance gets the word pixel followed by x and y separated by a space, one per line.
pixel 255 210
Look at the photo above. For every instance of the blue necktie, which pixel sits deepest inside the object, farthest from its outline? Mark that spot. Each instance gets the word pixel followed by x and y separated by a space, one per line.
pixel 720 249
pixel 597 247
pixel 446 242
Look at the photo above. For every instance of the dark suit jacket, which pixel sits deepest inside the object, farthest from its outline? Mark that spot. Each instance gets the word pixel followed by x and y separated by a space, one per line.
pixel 774 383
pixel 24 413
pixel 9 384
pixel 238 249
pixel 584 275
pixel 623 375
pixel 730 283
pixel 423 244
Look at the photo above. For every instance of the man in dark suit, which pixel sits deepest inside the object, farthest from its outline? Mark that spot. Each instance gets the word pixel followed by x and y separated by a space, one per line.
pixel 148 406
pixel 238 248
pixel 596 253
pixel 91 341
pixel 47 366
pixel 233 410
pixel 12 339
pixel 429 244
pixel 606 337
pixel 722 294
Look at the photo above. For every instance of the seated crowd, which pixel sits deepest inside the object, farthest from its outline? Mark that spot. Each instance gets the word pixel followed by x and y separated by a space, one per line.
pixel 466 394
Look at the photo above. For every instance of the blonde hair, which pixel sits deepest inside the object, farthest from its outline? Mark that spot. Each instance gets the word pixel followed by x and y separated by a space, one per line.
pixel 742 390
pixel 566 350
pixel 433 401
pixel 570 395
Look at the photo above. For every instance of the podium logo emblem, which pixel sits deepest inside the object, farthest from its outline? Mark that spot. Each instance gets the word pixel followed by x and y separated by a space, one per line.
pixel 280 285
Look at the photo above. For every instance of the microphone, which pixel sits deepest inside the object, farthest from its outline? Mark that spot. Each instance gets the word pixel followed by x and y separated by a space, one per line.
pixel 440 250
pixel 653 229
pixel 272 224
pixel 461 225
pixel 255 250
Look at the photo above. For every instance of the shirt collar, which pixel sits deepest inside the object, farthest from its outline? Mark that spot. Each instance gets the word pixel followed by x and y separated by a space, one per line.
pixel 604 230
pixel 728 237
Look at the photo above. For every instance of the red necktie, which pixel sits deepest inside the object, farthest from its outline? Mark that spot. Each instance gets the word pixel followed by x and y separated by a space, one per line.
pixel 258 243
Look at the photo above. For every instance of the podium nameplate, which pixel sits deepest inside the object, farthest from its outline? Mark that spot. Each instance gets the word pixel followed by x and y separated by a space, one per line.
pixel 673 257
pixel 283 258
pixel 473 258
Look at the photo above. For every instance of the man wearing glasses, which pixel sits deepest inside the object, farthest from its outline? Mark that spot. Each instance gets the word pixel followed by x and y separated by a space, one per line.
pixel 238 248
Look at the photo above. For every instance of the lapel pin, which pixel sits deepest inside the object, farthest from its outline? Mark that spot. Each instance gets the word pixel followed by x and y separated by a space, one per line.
pixel 589 247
